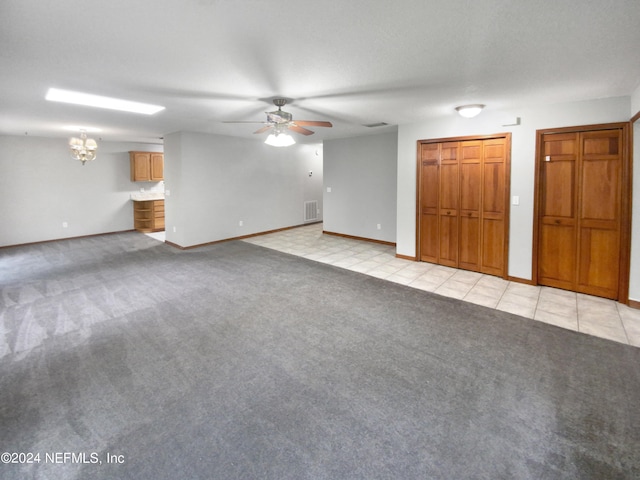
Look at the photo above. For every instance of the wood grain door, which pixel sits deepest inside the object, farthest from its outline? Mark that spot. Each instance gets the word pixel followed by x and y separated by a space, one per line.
pixel 428 174
pixel 470 198
pixel 449 204
pixel 580 214
pixel 494 206
pixel 463 191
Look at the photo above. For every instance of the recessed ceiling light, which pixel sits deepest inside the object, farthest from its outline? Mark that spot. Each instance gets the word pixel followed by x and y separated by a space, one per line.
pixel 87 99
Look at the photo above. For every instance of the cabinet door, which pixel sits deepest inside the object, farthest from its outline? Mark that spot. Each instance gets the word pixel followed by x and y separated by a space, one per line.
pixel 156 167
pixel 140 167
pixel 158 214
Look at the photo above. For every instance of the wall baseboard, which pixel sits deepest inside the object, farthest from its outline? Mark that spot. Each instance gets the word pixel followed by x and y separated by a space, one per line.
pixel 406 257
pixel 64 238
pixel 520 280
pixel 634 303
pixel 373 240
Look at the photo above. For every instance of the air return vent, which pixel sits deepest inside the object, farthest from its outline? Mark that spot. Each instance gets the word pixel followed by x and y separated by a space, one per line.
pixel 373 125
pixel 310 211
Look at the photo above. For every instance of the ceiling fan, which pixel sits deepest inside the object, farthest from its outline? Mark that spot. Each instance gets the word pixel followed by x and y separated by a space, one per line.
pixel 279 121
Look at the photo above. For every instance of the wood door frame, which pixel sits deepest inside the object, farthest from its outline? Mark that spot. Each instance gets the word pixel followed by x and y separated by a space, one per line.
pixel 507 173
pixel 625 206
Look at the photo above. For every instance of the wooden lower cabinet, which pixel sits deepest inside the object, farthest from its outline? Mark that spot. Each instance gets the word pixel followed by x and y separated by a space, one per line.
pixel 148 215
pixel 463 193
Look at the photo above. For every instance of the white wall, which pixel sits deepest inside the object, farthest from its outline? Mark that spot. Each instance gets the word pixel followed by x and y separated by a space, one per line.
pixel 216 181
pixel 361 173
pixel 41 187
pixel 634 282
pixel 522 164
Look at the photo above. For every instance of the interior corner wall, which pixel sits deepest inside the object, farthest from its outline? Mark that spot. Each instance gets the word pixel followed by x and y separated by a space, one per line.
pixel 635 102
pixel 361 175
pixel 523 145
pixel 42 187
pixel 634 280
pixel 225 187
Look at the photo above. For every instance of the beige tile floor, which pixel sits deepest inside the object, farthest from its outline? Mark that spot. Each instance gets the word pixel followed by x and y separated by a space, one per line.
pixel 582 313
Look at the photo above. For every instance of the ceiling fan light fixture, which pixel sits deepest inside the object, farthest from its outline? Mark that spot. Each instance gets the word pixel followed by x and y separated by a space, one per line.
pixel 469 111
pixel 280 140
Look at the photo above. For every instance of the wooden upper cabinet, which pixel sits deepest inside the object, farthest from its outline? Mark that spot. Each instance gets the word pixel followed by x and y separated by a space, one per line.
pixel 147 166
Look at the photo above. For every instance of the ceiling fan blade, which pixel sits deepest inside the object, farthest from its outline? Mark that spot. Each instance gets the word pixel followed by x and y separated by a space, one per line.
pixel 301 130
pixel 264 129
pixel 312 123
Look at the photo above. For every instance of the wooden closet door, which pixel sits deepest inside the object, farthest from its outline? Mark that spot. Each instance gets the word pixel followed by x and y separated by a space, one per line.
pixel 580 182
pixel 429 180
pixel 494 207
pixel 470 196
pixel 599 219
pixel 557 232
pixel 448 208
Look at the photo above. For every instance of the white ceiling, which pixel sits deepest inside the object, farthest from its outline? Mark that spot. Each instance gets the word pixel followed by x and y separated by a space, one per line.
pixel 351 62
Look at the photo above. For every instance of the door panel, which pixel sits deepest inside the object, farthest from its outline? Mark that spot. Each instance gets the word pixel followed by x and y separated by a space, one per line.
pixel 580 181
pixel 429 157
pixel 559 188
pixel 598 262
pixel 493 235
pixel 429 212
pixel 449 199
pixel 494 198
pixel 470 198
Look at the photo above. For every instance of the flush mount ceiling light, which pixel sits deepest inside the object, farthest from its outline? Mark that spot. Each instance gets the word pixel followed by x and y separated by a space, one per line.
pixel 278 139
pixel 83 148
pixel 469 111
pixel 90 100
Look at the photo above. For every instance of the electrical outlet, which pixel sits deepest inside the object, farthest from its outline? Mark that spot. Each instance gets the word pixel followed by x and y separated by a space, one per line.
pixel 240 223
pixel 379 227
pixel 174 229
pixel 65 224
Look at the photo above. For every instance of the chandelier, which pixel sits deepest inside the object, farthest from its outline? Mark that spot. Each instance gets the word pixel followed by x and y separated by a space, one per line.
pixel 83 148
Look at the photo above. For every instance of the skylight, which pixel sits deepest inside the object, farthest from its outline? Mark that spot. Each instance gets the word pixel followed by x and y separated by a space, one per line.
pixel 87 99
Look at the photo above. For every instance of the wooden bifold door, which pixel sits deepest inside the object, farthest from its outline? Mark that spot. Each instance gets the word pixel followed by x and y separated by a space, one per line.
pixel 463 193
pixel 582 210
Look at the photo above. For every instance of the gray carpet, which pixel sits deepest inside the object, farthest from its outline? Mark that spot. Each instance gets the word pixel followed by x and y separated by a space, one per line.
pixel 233 361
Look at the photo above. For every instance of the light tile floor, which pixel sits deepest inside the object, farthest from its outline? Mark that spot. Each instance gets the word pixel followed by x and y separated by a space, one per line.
pixel 574 311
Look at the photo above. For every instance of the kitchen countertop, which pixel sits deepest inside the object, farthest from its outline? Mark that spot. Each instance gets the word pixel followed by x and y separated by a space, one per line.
pixel 143 197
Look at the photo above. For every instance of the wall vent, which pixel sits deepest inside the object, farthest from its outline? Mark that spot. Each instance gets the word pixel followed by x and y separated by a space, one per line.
pixel 374 125
pixel 311 211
